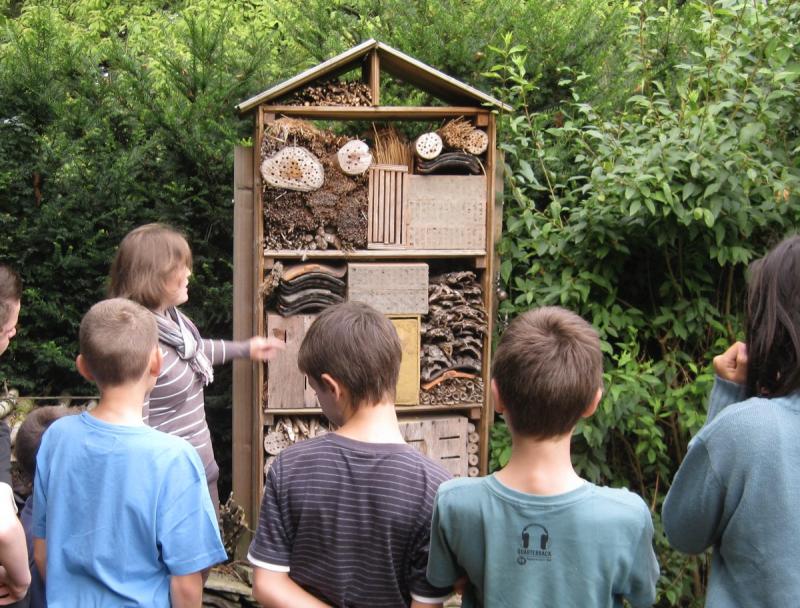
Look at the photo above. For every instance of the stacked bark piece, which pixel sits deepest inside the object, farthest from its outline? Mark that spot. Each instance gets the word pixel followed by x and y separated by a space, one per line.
pixel 455 326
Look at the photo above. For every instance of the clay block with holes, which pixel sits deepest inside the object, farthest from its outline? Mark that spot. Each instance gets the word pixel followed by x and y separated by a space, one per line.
pixel 441 438
pixel 446 212
pixel 287 387
pixel 393 289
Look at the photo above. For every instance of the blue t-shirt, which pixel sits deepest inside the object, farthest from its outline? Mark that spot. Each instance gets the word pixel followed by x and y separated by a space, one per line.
pixel 121 509
pixel 587 548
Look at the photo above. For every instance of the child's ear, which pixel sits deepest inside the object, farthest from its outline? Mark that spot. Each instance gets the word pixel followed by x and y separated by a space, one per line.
pixel 83 369
pixel 154 366
pixel 499 405
pixel 331 385
pixel 592 407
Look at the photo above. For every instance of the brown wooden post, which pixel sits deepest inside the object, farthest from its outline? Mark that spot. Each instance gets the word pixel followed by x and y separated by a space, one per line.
pixel 243 288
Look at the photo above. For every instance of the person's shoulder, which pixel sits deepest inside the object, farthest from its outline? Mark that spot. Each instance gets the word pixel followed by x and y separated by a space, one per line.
pixel 64 426
pixel 306 453
pixel 620 505
pixel 414 459
pixel 758 417
pixel 463 486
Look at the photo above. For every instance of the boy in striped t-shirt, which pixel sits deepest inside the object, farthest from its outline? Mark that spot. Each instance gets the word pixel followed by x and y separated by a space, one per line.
pixel 345 517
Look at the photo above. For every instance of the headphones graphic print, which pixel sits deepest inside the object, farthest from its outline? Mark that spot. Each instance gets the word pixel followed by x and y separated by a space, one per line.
pixel 544 539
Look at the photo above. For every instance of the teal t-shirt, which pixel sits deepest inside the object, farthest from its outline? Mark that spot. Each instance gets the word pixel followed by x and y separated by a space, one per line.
pixel 586 548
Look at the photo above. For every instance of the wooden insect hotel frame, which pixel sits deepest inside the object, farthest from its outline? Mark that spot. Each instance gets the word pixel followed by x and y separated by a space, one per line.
pixel 419 246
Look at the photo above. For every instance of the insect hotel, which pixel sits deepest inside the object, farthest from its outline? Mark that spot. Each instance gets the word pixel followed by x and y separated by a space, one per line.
pixel 343 198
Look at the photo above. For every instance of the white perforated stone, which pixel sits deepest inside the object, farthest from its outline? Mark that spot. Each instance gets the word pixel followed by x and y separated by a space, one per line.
pixel 293 168
pixel 354 157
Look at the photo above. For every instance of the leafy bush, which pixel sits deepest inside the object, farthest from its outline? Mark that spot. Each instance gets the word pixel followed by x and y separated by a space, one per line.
pixel 642 218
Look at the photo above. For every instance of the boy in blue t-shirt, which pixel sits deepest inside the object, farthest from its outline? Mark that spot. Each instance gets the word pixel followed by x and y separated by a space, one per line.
pixel 535 533
pixel 122 514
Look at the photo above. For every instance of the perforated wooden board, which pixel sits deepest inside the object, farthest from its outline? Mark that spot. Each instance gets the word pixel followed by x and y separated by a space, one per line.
pixel 287 386
pixel 390 288
pixel 446 212
pixel 441 438
pixel 408 329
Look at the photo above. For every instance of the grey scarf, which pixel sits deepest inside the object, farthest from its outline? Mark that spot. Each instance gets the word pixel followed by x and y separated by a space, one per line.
pixel 176 330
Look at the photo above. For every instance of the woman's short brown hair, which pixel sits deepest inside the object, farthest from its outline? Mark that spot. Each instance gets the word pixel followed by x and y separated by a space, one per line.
pixel 358 347
pixel 547 368
pixel 10 291
pixel 146 258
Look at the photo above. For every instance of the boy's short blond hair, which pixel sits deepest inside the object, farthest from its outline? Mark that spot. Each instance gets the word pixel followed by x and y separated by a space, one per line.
pixel 547 368
pixel 357 346
pixel 146 258
pixel 117 337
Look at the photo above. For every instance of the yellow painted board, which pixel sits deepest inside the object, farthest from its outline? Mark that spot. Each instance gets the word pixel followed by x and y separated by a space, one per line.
pixel 408 328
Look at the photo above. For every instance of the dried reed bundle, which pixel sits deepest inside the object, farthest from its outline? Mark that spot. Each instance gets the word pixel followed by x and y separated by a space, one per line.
pixel 391 148
pixel 456 133
pixel 283 128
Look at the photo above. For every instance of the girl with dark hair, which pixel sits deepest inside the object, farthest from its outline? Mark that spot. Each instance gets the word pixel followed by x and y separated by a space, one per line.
pixel 738 489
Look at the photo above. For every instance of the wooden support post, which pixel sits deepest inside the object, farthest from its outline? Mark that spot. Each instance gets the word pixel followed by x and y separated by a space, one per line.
pixel 489 297
pixel 244 253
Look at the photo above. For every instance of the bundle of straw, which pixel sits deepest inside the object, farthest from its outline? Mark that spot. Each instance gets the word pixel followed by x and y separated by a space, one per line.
pixel 391 148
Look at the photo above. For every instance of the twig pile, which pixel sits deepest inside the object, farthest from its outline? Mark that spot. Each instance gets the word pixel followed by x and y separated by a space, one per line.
pixel 332 93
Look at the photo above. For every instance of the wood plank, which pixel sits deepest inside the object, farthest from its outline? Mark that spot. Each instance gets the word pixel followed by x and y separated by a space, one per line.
pixel 376 113
pixel 342 61
pixel 419 74
pixel 258 328
pixel 490 300
pixel 287 386
pixel 375 254
pixel 243 411
pixel 441 438
pixel 469 409
pixel 375 77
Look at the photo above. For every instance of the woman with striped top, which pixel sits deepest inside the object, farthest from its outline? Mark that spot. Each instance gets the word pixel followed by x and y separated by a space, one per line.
pixel 152 267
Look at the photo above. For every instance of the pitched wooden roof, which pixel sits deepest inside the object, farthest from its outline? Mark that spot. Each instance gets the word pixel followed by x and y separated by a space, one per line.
pixel 400 65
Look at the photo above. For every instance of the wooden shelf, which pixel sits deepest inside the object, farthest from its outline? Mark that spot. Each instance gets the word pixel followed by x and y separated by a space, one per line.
pixel 375 113
pixel 372 254
pixel 401 409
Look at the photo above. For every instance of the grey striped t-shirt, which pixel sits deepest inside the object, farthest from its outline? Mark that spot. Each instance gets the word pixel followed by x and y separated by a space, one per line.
pixel 350 521
pixel 176 403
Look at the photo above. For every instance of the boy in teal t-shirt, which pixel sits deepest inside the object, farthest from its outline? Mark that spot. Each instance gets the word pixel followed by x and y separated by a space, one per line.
pixel 535 533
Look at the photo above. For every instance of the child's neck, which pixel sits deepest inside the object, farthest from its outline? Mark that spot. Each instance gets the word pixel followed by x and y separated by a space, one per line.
pixel 540 466
pixel 373 424
pixel 121 405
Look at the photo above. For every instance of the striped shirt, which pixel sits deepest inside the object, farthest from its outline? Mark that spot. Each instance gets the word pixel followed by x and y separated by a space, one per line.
pixel 350 521
pixel 176 404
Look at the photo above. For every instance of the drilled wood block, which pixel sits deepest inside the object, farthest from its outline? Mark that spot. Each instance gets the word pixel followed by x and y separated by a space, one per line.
pixel 287 386
pixel 441 438
pixel 408 329
pixel 388 185
pixel 390 288
pixel 446 212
